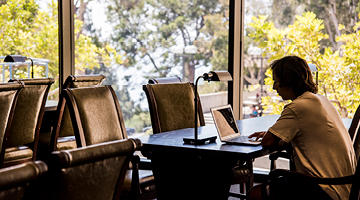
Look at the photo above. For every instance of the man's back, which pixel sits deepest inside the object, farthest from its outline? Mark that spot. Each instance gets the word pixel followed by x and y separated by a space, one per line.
pixel 322 146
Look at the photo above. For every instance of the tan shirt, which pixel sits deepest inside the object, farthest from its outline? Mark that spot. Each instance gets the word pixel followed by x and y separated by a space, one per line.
pixel 321 143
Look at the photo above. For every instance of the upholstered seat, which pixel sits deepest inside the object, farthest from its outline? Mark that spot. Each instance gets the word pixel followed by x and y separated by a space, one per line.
pixel 94 172
pixel 22 181
pixel 96 117
pixel 25 128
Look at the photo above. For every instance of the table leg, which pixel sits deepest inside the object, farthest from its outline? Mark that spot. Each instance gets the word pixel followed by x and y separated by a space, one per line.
pixel 250 183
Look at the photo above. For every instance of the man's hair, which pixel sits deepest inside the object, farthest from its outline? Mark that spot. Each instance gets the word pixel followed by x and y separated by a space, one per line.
pixel 294 72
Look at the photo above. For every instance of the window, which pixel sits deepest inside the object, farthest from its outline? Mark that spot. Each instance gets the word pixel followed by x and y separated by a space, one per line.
pixel 324 34
pixel 133 41
pixel 30 29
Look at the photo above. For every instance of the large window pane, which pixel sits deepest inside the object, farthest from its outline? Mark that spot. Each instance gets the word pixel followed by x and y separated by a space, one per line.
pixel 324 34
pixel 151 39
pixel 30 28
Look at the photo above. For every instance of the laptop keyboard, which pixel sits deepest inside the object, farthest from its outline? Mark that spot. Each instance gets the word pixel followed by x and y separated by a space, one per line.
pixel 242 138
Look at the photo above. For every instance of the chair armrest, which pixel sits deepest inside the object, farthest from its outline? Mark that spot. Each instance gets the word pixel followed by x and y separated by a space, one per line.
pixel 134 162
pixel 141 163
pixel 279 154
pixel 303 177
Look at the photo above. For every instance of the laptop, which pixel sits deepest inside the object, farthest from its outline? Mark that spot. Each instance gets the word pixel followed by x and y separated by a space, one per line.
pixel 227 128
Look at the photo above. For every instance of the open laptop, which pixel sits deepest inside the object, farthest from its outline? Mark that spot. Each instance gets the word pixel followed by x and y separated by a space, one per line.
pixel 227 128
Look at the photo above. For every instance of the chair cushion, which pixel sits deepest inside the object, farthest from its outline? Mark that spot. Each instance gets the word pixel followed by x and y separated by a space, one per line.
pixel 65 143
pixel 17 153
pixel 175 104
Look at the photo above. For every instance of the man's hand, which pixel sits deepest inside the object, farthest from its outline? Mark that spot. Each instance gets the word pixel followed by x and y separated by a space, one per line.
pixel 258 135
pixel 269 140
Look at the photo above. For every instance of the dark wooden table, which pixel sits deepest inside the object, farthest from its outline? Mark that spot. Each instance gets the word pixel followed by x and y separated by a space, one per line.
pixel 200 171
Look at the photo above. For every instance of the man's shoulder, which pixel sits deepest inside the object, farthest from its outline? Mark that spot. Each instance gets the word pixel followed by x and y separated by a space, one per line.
pixel 305 102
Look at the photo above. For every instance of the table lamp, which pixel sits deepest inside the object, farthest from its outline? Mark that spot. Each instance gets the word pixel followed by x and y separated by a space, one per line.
pixel 211 76
pixel 18 58
pixel 314 69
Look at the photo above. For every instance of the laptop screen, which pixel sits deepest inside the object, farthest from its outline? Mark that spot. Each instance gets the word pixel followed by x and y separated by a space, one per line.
pixel 225 121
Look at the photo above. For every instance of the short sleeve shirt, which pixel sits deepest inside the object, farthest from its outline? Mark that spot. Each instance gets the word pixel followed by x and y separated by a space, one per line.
pixel 321 143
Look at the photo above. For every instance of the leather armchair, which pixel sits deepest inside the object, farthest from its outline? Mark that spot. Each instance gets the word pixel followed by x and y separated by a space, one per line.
pixel 93 172
pixel 22 141
pixel 62 136
pixel 96 118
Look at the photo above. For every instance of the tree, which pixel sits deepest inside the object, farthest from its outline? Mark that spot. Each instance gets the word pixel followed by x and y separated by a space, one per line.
pixel 333 12
pixel 338 70
pixel 146 30
pixel 28 31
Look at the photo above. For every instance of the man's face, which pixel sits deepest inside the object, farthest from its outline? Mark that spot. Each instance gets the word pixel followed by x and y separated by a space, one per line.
pixel 286 93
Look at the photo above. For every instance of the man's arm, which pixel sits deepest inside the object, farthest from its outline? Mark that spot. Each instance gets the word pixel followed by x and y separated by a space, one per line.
pixel 271 141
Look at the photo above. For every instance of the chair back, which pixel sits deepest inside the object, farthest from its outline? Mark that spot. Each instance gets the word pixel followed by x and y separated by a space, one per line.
pixel 165 80
pixel 172 106
pixel 93 172
pixel 63 126
pixel 22 181
pixel 9 93
pixel 29 111
pixel 96 115
pixel 354 132
pixel 354 126
pixel 355 187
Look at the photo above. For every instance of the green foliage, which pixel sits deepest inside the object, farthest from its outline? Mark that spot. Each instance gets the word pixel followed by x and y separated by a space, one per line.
pixel 338 70
pixel 146 29
pixel 27 31
pixel 139 120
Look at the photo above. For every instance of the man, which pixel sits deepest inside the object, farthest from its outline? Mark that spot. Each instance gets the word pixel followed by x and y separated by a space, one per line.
pixel 310 123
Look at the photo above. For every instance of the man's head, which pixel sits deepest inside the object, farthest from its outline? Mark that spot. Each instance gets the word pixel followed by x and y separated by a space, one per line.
pixel 292 77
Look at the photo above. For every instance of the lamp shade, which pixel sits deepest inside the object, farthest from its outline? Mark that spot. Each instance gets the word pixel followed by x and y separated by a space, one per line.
pixel 14 58
pixel 217 76
pixel 312 67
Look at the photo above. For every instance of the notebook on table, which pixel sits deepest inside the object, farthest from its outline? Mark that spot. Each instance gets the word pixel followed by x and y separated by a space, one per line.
pixel 227 128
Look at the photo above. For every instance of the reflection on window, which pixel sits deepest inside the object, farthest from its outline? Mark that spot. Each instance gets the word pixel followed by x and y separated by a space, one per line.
pixel 133 41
